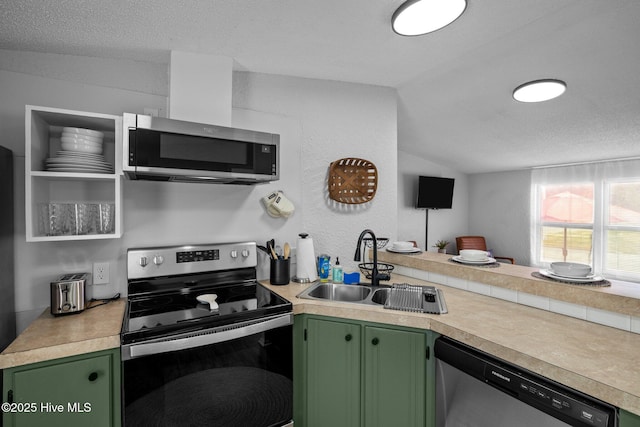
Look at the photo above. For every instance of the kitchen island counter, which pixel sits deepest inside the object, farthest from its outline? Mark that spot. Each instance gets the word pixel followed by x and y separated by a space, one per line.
pixel 598 360
pixel 620 297
pixel 52 337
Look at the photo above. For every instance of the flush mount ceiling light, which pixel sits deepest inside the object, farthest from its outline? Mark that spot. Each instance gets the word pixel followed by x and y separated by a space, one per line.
pixel 539 90
pixel 418 17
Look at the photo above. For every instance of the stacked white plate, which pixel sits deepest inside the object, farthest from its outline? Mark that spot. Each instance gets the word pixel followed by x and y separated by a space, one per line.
pixel 473 257
pixel 81 152
pixel 73 161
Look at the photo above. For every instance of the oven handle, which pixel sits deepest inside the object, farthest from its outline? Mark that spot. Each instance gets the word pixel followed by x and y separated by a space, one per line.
pixel 202 338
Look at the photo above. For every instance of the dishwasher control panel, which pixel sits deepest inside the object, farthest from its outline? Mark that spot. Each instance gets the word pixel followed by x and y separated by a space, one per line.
pixel 539 395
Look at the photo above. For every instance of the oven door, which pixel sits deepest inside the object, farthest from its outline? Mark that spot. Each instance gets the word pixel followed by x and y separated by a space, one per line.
pixel 239 375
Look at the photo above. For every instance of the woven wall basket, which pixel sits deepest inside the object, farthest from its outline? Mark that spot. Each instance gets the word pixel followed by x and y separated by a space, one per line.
pixel 352 181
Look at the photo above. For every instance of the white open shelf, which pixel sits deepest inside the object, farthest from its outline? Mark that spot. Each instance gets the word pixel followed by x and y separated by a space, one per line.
pixel 43 127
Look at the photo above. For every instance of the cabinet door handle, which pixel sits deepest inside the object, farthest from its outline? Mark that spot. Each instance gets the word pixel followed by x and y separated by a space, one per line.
pixel 93 376
pixel 348 337
pixel 375 341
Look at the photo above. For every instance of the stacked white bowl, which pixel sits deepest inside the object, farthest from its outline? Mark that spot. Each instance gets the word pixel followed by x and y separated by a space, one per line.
pixel 570 269
pixel 473 255
pixel 403 247
pixel 82 140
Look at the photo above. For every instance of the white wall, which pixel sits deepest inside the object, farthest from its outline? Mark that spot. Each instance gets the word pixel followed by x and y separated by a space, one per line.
pixel 337 120
pixel 499 209
pixel 319 122
pixel 444 224
pixel 494 205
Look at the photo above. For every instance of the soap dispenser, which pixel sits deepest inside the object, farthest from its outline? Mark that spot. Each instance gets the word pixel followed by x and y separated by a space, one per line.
pixel 338 275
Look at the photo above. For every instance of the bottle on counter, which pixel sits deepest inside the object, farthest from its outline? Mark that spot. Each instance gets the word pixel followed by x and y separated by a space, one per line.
pixel 338 274
pixel 324 265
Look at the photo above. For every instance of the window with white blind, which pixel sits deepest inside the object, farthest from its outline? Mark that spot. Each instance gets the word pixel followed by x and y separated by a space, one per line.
pixel 622 228
pixel 588 214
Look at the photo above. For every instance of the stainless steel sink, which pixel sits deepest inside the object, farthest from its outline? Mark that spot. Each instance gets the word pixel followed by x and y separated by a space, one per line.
pixel 360 294
pixel 380 296
pixel 340 292
pixel 400 296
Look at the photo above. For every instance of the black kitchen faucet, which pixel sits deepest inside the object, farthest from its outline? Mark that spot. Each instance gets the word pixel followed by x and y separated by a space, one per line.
pixel 375 276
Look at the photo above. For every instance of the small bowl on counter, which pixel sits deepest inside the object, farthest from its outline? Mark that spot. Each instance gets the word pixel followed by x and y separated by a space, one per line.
pixel 570 269
pixel 402 246
pixel 473 255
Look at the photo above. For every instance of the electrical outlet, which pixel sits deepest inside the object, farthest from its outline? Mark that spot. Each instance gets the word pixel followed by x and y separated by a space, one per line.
pixel 100 273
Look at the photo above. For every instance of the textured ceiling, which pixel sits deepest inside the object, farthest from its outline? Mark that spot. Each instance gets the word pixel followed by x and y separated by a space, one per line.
pixel 454 85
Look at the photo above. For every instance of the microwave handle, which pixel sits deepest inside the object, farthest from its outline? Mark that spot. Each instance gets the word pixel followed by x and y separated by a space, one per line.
pixel 203 338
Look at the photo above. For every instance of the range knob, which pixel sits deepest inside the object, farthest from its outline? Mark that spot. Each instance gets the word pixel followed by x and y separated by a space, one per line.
pixel 158 259
pixel 245 253
pixel 143 261
pixel 234 254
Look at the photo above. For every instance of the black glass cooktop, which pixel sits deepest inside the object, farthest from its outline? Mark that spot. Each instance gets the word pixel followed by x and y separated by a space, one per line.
pixel 174 307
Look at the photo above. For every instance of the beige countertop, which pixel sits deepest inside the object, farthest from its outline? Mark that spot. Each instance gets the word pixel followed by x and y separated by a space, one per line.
pixel 595 359
pixel 620 297
pixel 598 360
pixel 51 337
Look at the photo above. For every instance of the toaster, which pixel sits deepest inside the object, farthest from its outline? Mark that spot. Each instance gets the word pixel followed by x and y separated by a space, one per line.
pixel 68 293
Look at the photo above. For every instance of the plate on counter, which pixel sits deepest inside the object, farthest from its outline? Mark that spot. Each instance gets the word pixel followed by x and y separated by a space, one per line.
pixel 461 260
pixel 566 276
pixel 405 251
pixel 588 279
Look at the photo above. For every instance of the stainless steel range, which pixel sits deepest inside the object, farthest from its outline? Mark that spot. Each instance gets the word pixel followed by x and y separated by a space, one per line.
pixel 203 343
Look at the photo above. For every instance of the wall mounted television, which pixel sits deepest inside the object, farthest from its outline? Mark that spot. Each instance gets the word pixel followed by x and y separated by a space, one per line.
pixel 434 192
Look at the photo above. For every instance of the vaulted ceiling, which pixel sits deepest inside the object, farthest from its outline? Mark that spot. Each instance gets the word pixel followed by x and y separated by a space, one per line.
pixel 454 85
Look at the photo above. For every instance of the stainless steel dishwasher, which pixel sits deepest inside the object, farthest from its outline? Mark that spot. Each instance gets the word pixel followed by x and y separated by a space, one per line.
pixel 474 389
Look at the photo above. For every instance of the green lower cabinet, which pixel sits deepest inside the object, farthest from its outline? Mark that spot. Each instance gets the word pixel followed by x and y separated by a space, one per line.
pixel 628 419
pixel 73 391
pixel 395 377
pixel 357 374
pixel 333 374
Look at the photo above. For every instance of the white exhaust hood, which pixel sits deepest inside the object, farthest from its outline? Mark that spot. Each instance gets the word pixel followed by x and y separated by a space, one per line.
pixel 200 88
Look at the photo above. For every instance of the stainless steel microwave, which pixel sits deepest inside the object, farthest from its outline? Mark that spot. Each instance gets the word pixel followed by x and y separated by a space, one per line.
pixel 161 149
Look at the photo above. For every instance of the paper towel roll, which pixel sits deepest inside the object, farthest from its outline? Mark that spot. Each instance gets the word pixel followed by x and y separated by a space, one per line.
pixel 306 260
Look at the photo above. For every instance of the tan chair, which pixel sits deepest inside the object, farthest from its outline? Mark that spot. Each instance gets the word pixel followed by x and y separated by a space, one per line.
pixel 477 242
